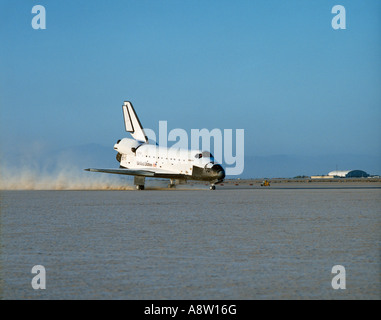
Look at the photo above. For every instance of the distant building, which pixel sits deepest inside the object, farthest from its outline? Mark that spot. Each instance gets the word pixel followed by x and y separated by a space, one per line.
pixel 322 177
pixel 348 174
pixel 343 174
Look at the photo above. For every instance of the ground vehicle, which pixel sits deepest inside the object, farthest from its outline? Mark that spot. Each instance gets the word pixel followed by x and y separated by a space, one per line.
pixel 265 183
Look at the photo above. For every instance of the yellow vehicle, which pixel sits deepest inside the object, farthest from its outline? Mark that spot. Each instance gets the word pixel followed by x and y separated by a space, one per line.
pixel 265 183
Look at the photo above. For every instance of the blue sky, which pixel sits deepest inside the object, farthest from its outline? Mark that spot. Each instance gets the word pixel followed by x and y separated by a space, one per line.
pixel 274 68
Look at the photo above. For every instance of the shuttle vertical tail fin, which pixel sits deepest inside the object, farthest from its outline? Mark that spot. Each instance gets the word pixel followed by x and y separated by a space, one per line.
pixel 132 123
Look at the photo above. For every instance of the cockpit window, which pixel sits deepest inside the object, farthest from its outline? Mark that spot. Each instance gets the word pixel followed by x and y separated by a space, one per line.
pixel 207 154
pixel 204 154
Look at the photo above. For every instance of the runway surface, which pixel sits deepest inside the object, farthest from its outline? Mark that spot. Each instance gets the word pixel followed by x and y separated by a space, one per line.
pixel 238 242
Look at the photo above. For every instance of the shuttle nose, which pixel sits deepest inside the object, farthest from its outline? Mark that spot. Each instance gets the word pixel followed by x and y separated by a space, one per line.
pixel 218 171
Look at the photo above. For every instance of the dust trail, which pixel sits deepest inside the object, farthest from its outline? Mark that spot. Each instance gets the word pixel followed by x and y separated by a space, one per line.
pixel 64 178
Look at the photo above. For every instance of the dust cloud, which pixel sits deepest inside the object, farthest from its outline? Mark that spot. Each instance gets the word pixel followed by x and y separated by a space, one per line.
pixel 64 178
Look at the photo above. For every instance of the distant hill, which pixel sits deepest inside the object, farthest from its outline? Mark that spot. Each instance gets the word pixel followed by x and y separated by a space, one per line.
pixel 287 166
pixel 81 157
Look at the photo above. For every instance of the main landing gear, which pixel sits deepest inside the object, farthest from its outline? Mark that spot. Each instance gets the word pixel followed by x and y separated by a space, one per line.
pixel 172 184
pixel 139 182
pixel 212 187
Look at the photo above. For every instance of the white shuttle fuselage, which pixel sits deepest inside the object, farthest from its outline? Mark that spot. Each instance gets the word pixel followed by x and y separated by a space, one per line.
pixel 141 159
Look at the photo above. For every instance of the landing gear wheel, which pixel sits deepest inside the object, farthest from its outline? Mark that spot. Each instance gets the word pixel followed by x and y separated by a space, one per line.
pixel 139 187
pixel 172 183
pixel 212 187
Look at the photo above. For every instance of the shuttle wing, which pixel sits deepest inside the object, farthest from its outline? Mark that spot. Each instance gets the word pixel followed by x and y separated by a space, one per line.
pixel 132 123
pixel 130 172
pixel 154 172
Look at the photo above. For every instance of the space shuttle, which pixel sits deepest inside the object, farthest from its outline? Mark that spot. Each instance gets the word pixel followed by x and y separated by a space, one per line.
pixel 141 159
